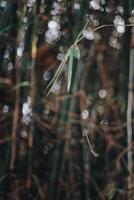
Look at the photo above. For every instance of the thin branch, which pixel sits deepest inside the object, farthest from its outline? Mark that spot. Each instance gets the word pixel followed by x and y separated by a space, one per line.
pixel 89 143
pixel 100 27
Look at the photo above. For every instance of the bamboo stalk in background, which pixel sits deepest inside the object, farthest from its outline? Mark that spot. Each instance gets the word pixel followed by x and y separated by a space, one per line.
pixel 19 29
pixel 15 123
pixel 32 95
pixel 16 113
pixel 129 119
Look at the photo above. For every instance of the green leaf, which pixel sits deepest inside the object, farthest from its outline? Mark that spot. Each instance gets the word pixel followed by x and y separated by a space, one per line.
pixel 75 51
pixel 69 77
pixel 57 74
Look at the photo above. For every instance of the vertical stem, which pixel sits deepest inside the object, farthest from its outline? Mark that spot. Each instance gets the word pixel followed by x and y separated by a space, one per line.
pixel 130 73
pixel 30 138
pixel 17 102
pixel 129 121
pixel 32 90
pixel 32 95
pixel 15 124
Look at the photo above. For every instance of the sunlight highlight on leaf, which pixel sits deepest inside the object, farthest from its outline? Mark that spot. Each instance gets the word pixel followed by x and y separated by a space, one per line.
pixel 75 51
pixel 70 66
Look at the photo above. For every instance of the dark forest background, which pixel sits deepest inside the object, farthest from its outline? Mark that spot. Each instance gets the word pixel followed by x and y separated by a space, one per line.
pixel 74 144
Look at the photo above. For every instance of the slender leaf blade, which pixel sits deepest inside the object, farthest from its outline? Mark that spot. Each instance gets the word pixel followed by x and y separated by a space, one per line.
pixel 70 68
pixel 57 74
pixel 75 51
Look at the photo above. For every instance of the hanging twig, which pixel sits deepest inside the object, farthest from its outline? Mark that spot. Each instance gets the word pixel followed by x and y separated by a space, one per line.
pixel 89 143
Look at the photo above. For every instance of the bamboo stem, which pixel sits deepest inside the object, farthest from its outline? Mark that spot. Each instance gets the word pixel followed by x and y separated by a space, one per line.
pixel 15 125
pixel 129 121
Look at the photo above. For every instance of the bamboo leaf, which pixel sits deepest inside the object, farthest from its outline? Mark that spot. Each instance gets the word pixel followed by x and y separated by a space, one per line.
pixel 54 79
pixel 75 51
pixel 69 77
pixel 57 74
